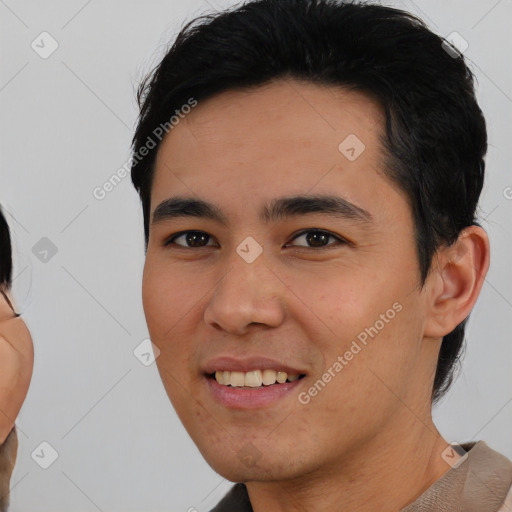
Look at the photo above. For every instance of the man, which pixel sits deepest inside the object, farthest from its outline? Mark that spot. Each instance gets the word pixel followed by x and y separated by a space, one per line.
pixel 309 172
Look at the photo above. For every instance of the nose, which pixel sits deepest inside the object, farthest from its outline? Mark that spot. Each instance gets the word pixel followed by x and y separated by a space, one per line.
pixel 247 293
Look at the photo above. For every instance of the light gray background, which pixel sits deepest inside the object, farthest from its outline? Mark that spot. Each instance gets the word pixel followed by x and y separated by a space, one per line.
pixel 66 126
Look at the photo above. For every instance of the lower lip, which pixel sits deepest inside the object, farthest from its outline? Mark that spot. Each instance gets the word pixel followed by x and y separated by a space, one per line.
pixel 247 398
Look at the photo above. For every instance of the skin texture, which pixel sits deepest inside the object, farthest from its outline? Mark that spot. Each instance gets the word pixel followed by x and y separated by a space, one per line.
pixel 366 442
pixel 16 365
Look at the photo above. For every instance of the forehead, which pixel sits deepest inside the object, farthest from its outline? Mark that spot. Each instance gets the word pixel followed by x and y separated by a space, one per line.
pixel 286 134
pixel 284 109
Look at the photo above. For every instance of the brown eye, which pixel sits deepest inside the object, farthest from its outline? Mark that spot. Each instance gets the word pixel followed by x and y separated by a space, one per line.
pixel 192 239
pixel 315 238
pixel 318 238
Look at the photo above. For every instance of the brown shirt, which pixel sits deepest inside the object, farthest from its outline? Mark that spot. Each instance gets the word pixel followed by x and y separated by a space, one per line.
pixel 482 482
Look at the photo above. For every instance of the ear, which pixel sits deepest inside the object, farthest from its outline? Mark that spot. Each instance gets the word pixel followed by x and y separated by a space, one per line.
pixel 456 281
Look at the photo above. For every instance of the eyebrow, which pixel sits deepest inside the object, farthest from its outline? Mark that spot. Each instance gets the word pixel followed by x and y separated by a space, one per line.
pixel 273 211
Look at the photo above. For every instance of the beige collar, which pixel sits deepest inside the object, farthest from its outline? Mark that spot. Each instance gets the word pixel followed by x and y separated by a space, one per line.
pixel 481 483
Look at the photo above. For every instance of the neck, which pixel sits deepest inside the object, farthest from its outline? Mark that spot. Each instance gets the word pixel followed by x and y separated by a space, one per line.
pixel 386 473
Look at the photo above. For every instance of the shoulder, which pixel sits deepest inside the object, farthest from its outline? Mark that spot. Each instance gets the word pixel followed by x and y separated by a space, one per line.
pixel 236 500
pixel 489 478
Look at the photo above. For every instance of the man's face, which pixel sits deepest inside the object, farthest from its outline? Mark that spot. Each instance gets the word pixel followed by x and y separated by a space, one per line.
pixel 306 301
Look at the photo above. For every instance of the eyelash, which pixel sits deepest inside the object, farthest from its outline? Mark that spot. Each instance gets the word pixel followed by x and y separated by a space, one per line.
pixel 172 238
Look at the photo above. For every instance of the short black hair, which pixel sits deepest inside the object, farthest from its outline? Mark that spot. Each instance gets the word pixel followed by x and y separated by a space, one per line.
pixel 435 133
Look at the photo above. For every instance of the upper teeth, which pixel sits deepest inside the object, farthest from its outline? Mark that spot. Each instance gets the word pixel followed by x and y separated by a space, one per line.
pixel 253 379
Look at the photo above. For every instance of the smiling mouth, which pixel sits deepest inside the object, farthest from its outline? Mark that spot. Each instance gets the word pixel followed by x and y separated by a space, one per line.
pixel 254 379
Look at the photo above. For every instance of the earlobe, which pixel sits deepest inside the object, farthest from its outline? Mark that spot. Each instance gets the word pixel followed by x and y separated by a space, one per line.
pixel 460 273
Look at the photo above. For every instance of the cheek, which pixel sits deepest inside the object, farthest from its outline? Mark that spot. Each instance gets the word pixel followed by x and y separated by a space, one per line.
pixel 374 324
pixel 168 295
pixel 172 306
pixel 153 299
pixel 346 304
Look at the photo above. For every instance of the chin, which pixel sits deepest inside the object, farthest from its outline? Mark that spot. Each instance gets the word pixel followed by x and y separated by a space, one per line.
pixel 258 473
pixel 243 468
